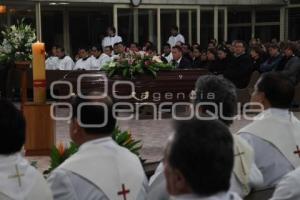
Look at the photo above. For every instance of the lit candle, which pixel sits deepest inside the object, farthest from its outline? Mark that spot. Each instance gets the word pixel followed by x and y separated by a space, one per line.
pixel 39 73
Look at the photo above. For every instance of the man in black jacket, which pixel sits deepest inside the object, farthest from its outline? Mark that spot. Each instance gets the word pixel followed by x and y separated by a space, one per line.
pixel 179 61
pixel 241 69
pixel 292 67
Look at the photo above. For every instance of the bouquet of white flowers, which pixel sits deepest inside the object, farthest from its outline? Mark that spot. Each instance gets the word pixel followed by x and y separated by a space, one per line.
pixel 16 44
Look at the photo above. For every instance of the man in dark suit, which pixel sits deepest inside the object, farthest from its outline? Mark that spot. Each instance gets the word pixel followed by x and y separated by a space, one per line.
pixel 292 66
pixel 179 61
pixel 241 69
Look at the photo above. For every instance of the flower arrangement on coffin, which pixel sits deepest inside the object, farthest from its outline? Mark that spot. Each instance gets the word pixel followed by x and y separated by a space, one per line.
pixel 61 152
pixel 132 64
pixel 16 44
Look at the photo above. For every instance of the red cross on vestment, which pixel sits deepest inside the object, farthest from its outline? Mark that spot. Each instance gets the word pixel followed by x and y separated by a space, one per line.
pixel 124 192
pixel 297 151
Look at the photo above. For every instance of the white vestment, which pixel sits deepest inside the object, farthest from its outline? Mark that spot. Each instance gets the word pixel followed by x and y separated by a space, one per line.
pixel 110 41
pixel 245 173
pixel 20 181
pixel 65 63
pixel 97 63
pixel 219 196
pixel 101 169
pixel 288 187
pixel 274 135
pixel 174 39
pixel 83 63
pixel 51 63
pixel 169 57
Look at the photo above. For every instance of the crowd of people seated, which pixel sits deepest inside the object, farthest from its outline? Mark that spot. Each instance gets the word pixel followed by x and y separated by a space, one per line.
pixel 236 61
pixel 203 160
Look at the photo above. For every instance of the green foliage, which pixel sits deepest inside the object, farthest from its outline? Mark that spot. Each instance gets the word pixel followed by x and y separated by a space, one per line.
pixel 60 153
pixel 131 64
pixel 16 44
pixel 124 139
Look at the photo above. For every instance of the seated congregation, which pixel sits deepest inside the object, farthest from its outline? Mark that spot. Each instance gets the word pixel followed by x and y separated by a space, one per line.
pixel 236 61
pixel 203 160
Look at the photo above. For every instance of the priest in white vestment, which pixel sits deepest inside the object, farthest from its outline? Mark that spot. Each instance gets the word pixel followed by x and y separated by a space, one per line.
pixel 199 160
pixel 175 37
pixel 64 62
pixel 111 38
pixel 51 61
pixel 275 133
pixel 288 187
pixel 246 176
pixel 99 59
pixel 85 61
pixel 101 169
pixel 18 179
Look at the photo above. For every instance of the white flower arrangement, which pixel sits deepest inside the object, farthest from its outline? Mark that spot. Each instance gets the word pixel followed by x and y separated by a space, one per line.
pixel 16 44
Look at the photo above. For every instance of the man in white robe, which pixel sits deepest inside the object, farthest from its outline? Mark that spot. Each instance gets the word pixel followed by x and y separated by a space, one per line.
pixel 18 179
pixel 275 133
pixel 85 61
pixel 101 169
pixel 199 161
pixel 288 187
pixel 111 38
pixel 51 61
pixel 175 37
pixel 99 59
pixel 246 175
pixel 64 62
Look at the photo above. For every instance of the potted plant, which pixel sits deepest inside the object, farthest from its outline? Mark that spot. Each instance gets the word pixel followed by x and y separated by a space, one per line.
pixel 15 50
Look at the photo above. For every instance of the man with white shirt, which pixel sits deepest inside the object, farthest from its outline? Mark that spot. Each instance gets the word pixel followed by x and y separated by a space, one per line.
pixel 85 61
pixel 111 37
pixel 275 133
pixel 101 169
pixel 18 179
pixel 98 58
pixel 51 61
pixel 108 50
pixel 64 62
pixel 167 55
pixel 246 175
pixel 175 37
pixel 199 161
pixel 288 187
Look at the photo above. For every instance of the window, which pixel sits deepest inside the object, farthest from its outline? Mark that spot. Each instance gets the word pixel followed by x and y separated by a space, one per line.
pixel 147 26
pixel 206 26
pixel 52 28
pixel 294 26
pixel 125 24
pixel 239 25
pixel 88 27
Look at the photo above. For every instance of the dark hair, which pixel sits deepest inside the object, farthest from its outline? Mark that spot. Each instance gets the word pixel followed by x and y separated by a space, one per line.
pixel 273 46
pixel 291 46
pixel 258 50
pixel 99 48
pixel 12 126
pixel 203 152
pixel 213 51
pixel 241 42
pixel 95 114
pixel 167 45
pixel 224 93
pixel 110 47
pixel 278 89
pixel 224 49
pixel 175 28
pixel 84 48
pixel 61 48
pixel 113 29
pixel 177 47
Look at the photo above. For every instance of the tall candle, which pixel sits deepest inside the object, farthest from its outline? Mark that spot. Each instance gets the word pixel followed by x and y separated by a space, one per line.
pixel 39 73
